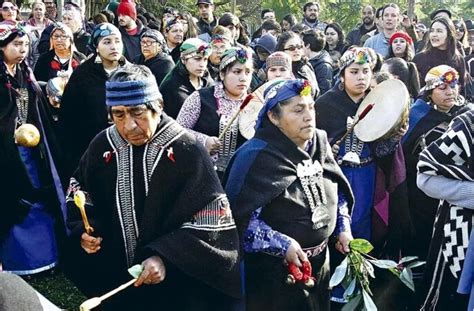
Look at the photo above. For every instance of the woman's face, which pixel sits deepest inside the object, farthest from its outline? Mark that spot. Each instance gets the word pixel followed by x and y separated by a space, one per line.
pixel 61 41
pixel 16 51
pixel 294 48
pixel 176 34
pixel 297 119
pixel 331 36
pixel 38 11
pixel 444 96
pixel 399 47
pixel 149 47
pixel 234 30
pixel 185 25
pixel 218 48
pixel 110 48
pixel 459 32
pixel 9 11
pixel 439 36
pixel 278 72
pixel 196 66
pixel 357 78
pixel 285 26
pixel 237 79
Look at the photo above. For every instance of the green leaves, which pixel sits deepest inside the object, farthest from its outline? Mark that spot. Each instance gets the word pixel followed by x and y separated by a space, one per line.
pixel 356 270
pixel 361 246
pixel 135 271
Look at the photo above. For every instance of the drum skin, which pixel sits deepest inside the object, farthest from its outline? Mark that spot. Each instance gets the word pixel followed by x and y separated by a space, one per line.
pixel 389 114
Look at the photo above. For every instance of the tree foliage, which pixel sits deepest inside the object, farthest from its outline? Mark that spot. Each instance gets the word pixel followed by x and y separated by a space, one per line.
pixel 345 12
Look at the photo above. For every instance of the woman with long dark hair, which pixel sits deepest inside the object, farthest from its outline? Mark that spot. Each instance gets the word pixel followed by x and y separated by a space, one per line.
pixel 30 187
pixel 292 44
pixel 207 111
pixel 401 45
pixel 405 72
pixel 441 50
pixel 334 41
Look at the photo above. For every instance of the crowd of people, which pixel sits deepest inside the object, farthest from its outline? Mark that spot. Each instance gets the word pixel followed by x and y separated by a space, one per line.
pixel 147 115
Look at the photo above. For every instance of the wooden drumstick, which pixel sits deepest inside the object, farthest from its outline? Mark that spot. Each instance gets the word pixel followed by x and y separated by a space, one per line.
pixel 94 302
pixel 80 201
pixel 351 128
pixel 247 100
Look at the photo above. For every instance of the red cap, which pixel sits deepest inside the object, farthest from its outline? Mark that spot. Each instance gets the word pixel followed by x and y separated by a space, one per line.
pixel 127 7
pixel 400 34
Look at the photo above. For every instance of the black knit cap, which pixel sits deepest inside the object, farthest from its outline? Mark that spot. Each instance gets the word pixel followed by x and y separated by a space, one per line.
pixel 432 15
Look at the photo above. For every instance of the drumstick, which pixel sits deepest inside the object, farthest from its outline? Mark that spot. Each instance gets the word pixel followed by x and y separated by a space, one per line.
pixel 247 100
pixel 80 200
pixel 351 128
pixel 94 302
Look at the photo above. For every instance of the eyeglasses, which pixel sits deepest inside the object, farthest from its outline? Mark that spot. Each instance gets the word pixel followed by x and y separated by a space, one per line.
pixel 293 48
pixel 9 8
pixel 62 37
pixel 148 43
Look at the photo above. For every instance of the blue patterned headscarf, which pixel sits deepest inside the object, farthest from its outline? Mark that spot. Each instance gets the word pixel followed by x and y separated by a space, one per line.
pixel 100 31
pixel 280 91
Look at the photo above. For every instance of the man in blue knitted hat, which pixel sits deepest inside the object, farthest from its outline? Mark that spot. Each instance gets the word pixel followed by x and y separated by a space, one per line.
pixel 154 199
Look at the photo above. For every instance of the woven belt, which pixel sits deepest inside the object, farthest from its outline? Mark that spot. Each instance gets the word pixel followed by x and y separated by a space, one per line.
pixel 315 250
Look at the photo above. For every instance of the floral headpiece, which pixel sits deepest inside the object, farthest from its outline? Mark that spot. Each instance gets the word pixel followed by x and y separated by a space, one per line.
pixel 9 32
pixel 356 55
pixel 194 46
pixel 234 54
pixel 439 75
pixel 282 90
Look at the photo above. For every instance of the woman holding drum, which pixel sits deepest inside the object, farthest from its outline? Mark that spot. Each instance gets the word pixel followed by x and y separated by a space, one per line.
pixel 335 113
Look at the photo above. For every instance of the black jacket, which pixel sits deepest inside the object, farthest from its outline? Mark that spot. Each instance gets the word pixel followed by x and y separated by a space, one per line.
pixel 176 87
pixel 205 27
pixel 83 111
pixel 353 37
pixel 323 69
pixel 131 44
pixel 44 70
pixel 304 70
pixel 160 65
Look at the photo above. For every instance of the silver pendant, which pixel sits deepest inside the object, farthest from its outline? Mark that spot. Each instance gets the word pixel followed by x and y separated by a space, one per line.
pixel 351 157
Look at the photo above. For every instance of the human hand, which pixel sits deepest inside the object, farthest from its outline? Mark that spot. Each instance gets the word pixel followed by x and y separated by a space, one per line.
pixel 90 243
pixel 213 144
pixel 343 240
pixel 295 254
pixel 335 149
pixel 403 130
pixel 154 271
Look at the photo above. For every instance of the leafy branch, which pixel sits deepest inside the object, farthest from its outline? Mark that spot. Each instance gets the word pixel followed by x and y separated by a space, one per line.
pixel 356 270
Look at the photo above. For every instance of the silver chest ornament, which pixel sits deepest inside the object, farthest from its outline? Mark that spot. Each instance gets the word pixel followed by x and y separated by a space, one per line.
pixel 353 146
pixel 310 175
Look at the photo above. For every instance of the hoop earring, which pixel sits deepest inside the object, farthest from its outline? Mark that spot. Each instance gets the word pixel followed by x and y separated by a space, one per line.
pixel 341 86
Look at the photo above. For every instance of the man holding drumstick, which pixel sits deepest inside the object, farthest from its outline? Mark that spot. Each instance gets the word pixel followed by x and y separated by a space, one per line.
pixel 153 198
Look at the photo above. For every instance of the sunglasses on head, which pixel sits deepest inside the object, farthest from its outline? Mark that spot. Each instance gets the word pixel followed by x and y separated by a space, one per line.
pixel 293 48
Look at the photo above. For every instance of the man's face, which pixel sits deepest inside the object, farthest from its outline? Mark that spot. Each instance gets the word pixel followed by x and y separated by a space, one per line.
pixel 390 18
pixel 368 15
pixel 269 15
pixel 135 124
pixel 205 10
pixel 312 13
pixel 50 8
pixel 124 20
pixel 470 37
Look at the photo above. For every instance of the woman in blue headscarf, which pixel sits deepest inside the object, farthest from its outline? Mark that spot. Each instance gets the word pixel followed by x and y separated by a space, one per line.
pixel 288 196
